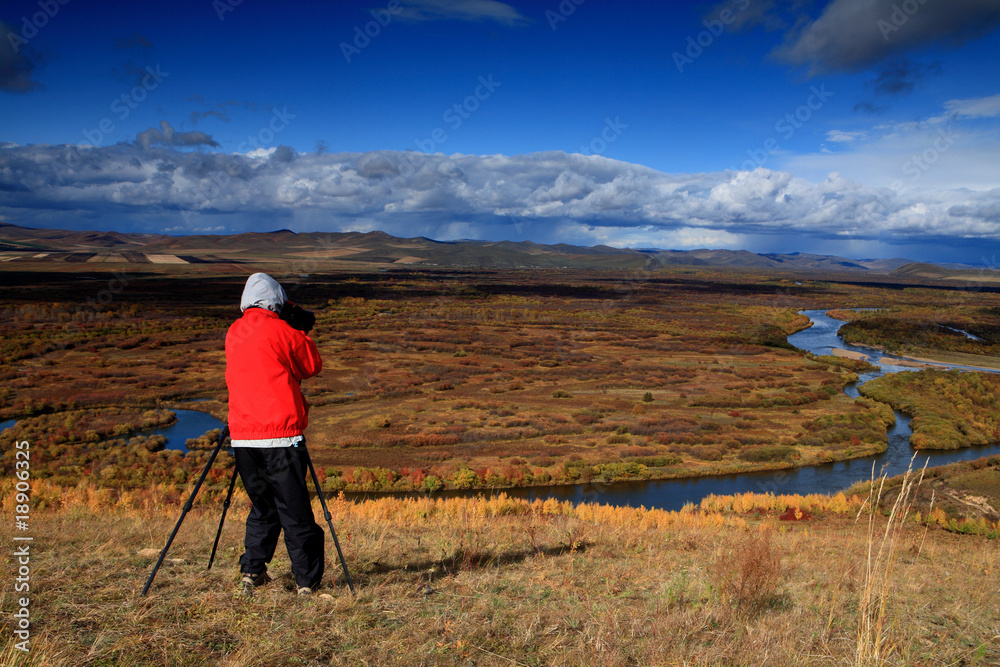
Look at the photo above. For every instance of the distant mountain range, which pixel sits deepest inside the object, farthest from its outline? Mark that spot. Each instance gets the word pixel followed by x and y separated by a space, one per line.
pixel 22 244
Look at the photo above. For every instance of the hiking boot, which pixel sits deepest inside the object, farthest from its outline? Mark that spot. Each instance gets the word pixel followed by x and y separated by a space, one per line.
pixel 305 590
pixel 251 581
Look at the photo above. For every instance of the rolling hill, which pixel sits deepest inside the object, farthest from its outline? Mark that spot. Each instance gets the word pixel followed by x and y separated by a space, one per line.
pixel 22 244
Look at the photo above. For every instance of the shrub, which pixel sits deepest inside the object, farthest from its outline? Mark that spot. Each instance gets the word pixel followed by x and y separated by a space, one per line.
pixel 769 453
pixel 466 478
pixel 560 393
pixel 431 484
pixel 749 575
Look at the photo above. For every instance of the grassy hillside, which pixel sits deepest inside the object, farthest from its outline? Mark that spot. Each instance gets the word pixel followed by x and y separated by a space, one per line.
pixel 750 580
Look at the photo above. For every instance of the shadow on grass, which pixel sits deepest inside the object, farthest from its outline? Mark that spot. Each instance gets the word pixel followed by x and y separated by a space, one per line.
pixel 461 559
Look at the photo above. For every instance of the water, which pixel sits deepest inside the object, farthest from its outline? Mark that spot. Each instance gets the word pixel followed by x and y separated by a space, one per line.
pixel 672 494
pixel 10 423
pixel 189 424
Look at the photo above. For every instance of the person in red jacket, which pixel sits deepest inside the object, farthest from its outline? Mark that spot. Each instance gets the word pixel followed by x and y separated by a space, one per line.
pixel 266 359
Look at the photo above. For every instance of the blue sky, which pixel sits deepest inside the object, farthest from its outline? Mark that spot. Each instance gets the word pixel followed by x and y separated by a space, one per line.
pixel 866 128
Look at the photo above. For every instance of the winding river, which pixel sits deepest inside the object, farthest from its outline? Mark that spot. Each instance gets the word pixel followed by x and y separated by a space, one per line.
pixel 672 494
pixel 189 424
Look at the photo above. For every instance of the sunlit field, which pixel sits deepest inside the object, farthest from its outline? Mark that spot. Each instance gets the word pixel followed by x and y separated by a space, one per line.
pixel 452 379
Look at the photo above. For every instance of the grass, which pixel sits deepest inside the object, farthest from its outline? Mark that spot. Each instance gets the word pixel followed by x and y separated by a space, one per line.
pixel 875 618
pixel 507 582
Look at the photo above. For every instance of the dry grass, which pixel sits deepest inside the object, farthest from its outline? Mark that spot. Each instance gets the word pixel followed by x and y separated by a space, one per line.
pixel 875 619
pixel 502 582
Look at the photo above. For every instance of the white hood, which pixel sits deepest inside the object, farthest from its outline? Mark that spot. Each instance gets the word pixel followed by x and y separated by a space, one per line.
pixel 263 291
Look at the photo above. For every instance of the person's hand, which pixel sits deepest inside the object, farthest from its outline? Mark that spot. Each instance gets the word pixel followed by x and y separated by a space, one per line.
pixel 297 317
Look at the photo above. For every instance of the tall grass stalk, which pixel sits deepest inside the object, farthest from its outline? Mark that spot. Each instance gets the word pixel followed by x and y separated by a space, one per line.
pixel 875 623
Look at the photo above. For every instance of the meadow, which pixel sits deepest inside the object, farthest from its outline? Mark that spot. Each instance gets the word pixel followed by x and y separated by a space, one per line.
pixel 468 379
pixel 475 379
pixel 753 579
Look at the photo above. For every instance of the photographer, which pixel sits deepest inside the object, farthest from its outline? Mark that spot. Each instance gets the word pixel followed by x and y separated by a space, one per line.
pixel 268 353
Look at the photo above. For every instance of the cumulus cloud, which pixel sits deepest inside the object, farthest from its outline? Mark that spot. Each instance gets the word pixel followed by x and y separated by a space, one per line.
pixel 546 197
pixel 853 35
pixel 167 136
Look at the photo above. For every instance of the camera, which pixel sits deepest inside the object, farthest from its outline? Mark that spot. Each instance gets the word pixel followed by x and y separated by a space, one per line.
pixel 297 317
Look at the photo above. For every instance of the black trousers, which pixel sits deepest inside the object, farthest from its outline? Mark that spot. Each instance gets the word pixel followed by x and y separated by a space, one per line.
pixel 275 480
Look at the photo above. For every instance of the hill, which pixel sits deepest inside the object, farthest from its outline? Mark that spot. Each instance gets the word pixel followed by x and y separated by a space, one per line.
pixel 945 272
pixel 509 582
pixel 331 250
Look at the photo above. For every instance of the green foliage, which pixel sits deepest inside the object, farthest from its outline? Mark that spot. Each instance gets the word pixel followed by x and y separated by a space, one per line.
pixel 431 484
pixel 466 478
pixel 950 409
pixel 769 453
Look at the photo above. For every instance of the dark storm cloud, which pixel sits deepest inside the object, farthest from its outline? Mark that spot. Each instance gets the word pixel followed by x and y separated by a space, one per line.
pixel 18 62
pixel 853 35
pixel 167 136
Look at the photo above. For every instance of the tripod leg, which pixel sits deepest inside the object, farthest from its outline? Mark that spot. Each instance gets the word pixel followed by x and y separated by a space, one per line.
pixel 329 521
pixel 186 508
pixel 225 508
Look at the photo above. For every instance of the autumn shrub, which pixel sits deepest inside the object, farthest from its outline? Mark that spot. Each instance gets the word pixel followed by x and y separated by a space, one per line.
pixel 466 478
pixel 661 461
pixel 768 453
pixel 748 575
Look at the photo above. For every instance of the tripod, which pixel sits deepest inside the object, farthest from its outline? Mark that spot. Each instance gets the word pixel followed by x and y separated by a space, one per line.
pixel 225 508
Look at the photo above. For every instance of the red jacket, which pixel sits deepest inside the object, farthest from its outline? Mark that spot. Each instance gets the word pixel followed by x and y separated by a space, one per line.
pixel 266 359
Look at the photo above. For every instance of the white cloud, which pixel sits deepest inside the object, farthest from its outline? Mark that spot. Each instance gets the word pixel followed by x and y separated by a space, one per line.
pixel 952 150
pixel 980 107
pixel 546 197
pixel 845 137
